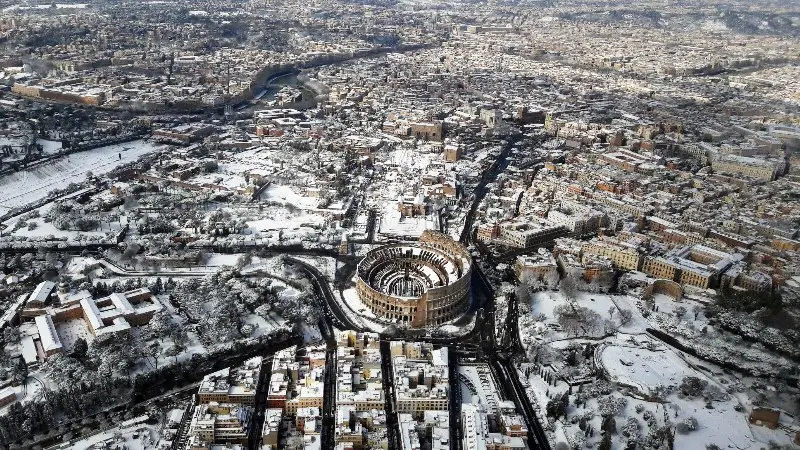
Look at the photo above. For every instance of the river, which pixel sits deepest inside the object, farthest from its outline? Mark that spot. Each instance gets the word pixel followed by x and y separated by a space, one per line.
pixel 275 84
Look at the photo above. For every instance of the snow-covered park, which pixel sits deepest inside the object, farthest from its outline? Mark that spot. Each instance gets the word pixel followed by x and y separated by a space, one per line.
pixel 30 185
pixel 644 384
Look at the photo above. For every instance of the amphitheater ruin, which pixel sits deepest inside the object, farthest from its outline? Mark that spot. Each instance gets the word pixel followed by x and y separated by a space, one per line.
pixel 416 284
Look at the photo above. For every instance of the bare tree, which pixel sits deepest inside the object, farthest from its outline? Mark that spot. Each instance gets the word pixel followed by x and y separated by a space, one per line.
pixel 696 310
pixel 680 312
pixel 569 288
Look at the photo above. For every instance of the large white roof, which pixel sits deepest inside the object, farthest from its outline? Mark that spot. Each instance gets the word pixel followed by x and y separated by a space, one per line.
pixel 47 333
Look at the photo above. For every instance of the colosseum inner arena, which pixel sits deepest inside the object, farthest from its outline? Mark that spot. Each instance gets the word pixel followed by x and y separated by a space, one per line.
pixel 417 284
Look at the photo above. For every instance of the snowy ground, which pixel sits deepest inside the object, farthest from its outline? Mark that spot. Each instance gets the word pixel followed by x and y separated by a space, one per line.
pixel 222 259
pixel 27 186
pixel 284 220
pixel 263 325
pixel 360 312
pixel 543 303
pixel 721 425
pixel 50 147
pixel 393 224
pixel 70 331
pixel 287 195
pixel 632 365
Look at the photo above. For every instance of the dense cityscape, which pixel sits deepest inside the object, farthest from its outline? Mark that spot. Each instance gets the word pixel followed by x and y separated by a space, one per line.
pixel 400 225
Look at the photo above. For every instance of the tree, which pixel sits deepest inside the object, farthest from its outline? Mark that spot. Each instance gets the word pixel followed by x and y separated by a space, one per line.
pixel 153 350
pixel 554 408
pixel 161 325
pixel 575 318
pixel 605 442
pixel 4 359
pixel 244 260
pixel 80 348
pixel 157 287
pixel 687 425
pixel 572 358
pixel 692 386
pixel 9 335
pixel 210 166
pixel 609 425
pixel 523 290
pixel 130 203
pixel 20 371
pixel 610 406
pixel 181 340
pixel 680 312
pixel 174 352
pixel 569 288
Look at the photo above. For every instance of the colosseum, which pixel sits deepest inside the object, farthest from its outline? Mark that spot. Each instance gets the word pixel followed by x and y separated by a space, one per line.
pixel 418 284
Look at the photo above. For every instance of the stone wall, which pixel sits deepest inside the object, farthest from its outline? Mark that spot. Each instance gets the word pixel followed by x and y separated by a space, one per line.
pixel 665 287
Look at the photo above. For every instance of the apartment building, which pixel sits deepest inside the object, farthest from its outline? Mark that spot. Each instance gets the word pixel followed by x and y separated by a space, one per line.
pixel 623 255
pixel 238 385
pixel 541 266
pixel 218 423
pixel 697 265
pixel 421 384
pixel 764 169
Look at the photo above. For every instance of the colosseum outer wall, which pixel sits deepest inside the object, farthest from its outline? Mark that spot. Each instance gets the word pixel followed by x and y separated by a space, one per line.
pixel 436 305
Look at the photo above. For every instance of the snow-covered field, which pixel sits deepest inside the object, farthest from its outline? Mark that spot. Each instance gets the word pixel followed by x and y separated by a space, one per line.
pixel 50 147
pixel 282 220
pixel 27 186
pixel 638 366
pixel 544 302
pixel 219 260
pixel 393 224
pixel 643 368
pixel 45 229
pixel 607 306
pixel 285 194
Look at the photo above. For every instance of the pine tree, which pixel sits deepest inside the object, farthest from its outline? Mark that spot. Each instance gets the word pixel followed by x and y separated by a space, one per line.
pixel 20 371
pixel 605 442
pixel 158 287
pixel 80 348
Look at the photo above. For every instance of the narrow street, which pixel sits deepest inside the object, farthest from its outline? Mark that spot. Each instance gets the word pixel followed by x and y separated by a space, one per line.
pixel 393 426
pixel 260 406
